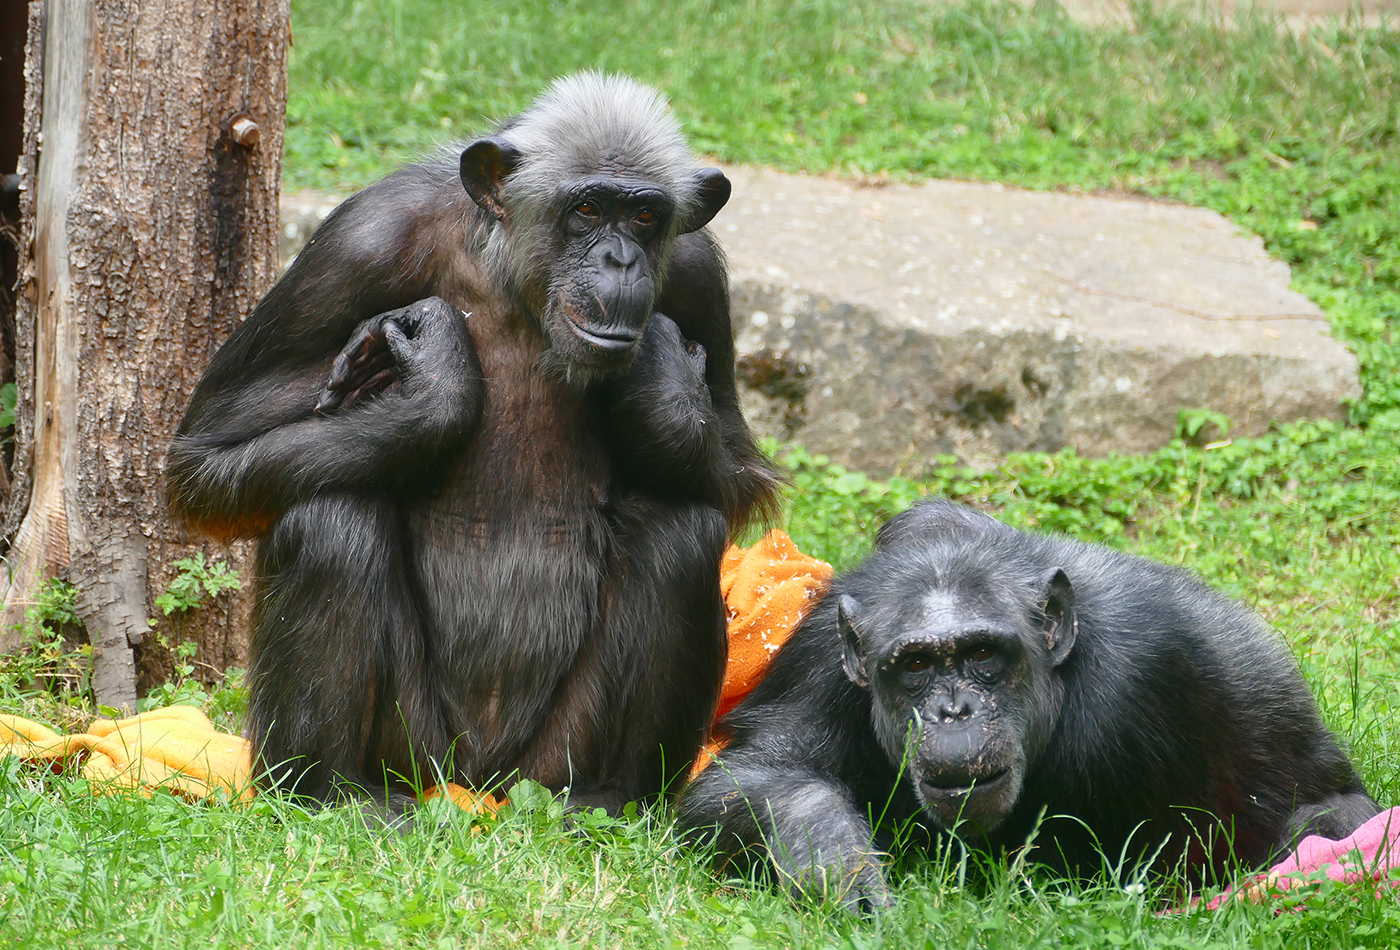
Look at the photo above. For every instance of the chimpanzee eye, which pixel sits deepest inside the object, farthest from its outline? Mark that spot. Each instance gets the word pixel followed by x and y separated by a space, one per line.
pixel 589 209
pixel 981 653
pixel 646 217
pixel 915 663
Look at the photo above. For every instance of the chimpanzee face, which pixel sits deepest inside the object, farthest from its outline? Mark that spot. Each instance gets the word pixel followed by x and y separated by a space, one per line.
pixel 962 693
pixel 586 256
pixel 612 236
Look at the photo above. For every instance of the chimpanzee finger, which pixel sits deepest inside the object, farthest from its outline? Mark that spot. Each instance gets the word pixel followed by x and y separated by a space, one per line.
pixel 867 891
pixel 346 364
pixel 400 343
pixel 380 382
pixel 329 400
pixel 340 371
pixel 373 340
pixel 347 377
pixel 362 357
pixel 379 361
pixel 366 342
pixel 409 320
pixel 373 375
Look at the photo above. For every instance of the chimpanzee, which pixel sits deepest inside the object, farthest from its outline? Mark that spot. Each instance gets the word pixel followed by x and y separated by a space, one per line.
pixel 970 678
pixel 487 430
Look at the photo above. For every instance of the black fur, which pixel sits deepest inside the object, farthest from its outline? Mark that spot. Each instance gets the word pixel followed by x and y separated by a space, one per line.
pixel 493 450
pixel 1049 676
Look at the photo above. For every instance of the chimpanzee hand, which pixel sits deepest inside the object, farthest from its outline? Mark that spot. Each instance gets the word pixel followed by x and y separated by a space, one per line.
pixel 831 858
pixel 413 349
pixel 855 881
pixel 661 403
pixel 663 429
pixel 667 364
pixel 674 357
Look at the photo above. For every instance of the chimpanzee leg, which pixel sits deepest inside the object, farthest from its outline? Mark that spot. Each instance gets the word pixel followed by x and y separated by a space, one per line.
pixel 339 680
pixel 639 701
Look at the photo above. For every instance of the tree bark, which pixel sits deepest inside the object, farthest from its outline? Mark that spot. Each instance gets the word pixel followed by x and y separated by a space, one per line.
pixel 154 228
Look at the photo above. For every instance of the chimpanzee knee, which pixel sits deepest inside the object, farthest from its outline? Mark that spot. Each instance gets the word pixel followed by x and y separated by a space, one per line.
pixel 318 678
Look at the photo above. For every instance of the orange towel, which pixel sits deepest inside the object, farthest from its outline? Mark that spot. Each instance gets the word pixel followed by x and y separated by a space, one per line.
pixel 767 590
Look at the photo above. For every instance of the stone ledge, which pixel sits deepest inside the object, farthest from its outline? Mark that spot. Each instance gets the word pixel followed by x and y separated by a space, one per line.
pixel 885 325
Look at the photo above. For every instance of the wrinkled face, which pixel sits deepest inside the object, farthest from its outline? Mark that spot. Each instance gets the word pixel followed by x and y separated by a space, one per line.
pixel 587 259
pixel 962 698
pixel 613 235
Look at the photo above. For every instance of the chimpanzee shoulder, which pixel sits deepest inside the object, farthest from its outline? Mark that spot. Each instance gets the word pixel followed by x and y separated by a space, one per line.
pixel 376 251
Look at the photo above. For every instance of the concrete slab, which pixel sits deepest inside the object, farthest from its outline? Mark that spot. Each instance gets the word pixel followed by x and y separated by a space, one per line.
pixel 1300 15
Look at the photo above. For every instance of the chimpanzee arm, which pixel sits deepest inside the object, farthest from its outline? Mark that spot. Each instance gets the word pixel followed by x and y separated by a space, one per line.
pixel 817 840
pixel 252 443
pixel 801 773
pixel 674 420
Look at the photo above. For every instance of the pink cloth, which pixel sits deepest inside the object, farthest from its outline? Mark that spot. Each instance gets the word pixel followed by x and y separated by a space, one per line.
pixel 1371 853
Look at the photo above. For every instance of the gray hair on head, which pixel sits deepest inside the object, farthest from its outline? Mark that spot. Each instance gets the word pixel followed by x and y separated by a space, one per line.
pixel 586 123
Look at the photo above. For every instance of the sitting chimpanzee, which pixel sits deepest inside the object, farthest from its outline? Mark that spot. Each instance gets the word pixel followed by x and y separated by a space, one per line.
pixel 970 678
pixel 486 429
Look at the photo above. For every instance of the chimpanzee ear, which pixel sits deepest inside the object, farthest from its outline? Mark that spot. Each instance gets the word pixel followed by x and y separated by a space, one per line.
pixel 852 656
pixel 485 164
pixel 712 192
pixel 1058 621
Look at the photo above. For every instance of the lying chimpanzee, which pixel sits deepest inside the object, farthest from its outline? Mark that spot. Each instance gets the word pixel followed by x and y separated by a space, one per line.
pixel 972 677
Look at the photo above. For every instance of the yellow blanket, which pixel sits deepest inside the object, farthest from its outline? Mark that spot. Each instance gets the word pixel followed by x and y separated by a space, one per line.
pixel 767 590
pixel 176 749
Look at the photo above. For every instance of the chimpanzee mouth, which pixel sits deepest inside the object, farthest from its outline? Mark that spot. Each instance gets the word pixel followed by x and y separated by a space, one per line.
pixel 613 340
pixel 965 786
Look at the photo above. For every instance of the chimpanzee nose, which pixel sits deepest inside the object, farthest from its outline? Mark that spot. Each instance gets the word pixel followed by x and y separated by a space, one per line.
pixel 624 255
pixel 953 708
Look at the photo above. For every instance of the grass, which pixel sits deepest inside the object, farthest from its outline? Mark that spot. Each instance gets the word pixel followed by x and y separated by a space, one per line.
pixel 1293 138
pixel 78 870
pixel 1273 130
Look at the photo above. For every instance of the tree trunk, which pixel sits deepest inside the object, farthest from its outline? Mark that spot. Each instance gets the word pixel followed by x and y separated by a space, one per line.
pixel 150 223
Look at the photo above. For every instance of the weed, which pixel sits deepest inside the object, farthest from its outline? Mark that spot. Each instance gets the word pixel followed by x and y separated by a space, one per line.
pixel 224 702
pixel 50 656
pixel 9 394
pixel 196 580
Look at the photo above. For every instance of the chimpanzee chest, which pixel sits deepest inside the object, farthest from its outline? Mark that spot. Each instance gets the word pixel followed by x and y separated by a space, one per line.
pixel 510 555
